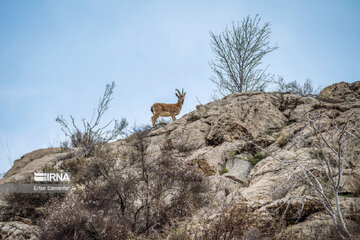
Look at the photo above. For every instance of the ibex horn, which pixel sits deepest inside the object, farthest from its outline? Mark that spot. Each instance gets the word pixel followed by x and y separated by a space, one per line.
pixel 178 91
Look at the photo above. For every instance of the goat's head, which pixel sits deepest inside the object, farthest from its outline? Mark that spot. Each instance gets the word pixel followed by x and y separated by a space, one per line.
pixel 180 96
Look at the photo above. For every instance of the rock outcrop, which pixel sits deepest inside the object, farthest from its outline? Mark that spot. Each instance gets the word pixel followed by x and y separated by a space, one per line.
pixel 340 92
pixel 229 141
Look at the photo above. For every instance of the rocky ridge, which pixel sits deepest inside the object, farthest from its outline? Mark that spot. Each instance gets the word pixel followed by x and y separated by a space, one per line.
pixel 220 140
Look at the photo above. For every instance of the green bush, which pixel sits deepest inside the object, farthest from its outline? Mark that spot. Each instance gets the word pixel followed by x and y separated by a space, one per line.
pixel 256 158
pixel 270 131
pixel 223 170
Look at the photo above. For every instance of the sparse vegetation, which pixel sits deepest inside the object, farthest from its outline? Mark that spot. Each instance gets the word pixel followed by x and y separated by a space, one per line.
pixel 92 133
pixel 73 165
pixel 307 90
pixel 270 131
pixel 149 185
pixel 331 149
pixel 223 170
pixel 136 195
pixel 256 158
pixel 64 146
pixel 29 205
pixel 239 221
pixel 175 230
pixel 282 138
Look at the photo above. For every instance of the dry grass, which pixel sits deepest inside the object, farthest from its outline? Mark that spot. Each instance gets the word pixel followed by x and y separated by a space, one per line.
pixel 282 138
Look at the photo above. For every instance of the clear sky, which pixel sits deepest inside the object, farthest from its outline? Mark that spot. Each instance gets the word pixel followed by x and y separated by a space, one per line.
pixel 57 56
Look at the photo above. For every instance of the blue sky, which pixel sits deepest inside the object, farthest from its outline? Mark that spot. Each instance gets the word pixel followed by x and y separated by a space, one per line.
pixel 57 56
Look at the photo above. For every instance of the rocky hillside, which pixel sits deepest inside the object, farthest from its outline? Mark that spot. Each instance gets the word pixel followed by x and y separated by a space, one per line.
pixel 248 146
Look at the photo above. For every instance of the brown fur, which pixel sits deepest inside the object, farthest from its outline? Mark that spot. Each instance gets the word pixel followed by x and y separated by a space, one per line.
pixel 168 110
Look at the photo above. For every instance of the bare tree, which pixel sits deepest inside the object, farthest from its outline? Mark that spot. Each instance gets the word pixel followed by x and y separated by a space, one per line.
pixel 307 90
pixel 238 56
pixel 92 132
pixel 331 152
pixel 331 149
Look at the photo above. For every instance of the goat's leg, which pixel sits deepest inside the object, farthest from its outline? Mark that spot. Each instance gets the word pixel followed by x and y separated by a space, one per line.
pixel 173 117
pixel 153 119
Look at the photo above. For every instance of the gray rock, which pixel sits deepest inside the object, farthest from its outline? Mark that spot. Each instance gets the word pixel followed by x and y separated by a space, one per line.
pixel 220 188
pixel 238 170
pixel 18 231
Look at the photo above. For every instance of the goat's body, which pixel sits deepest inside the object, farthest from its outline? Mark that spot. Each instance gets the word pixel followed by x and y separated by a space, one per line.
pixel 166 109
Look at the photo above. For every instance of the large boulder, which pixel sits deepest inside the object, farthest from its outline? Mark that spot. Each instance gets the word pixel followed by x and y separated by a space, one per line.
pixel 340 92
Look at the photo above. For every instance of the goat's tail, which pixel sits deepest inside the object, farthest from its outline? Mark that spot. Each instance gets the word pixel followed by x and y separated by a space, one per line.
pixel 152 109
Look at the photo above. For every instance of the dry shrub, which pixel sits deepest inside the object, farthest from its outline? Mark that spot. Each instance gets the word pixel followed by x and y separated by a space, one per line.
pixel 70 219
pixel 239 221
pixel 282 138
pixel 178 234
pixel 136 196
pixel 354 216
pixel 320 231
pixel 74 166
pixel 29 205
pixel 294 211
pixel 174 230
pixel 294 87
pixel 90 134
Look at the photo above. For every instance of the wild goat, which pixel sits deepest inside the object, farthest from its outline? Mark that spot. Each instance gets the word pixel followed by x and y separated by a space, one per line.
pixel 168 110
